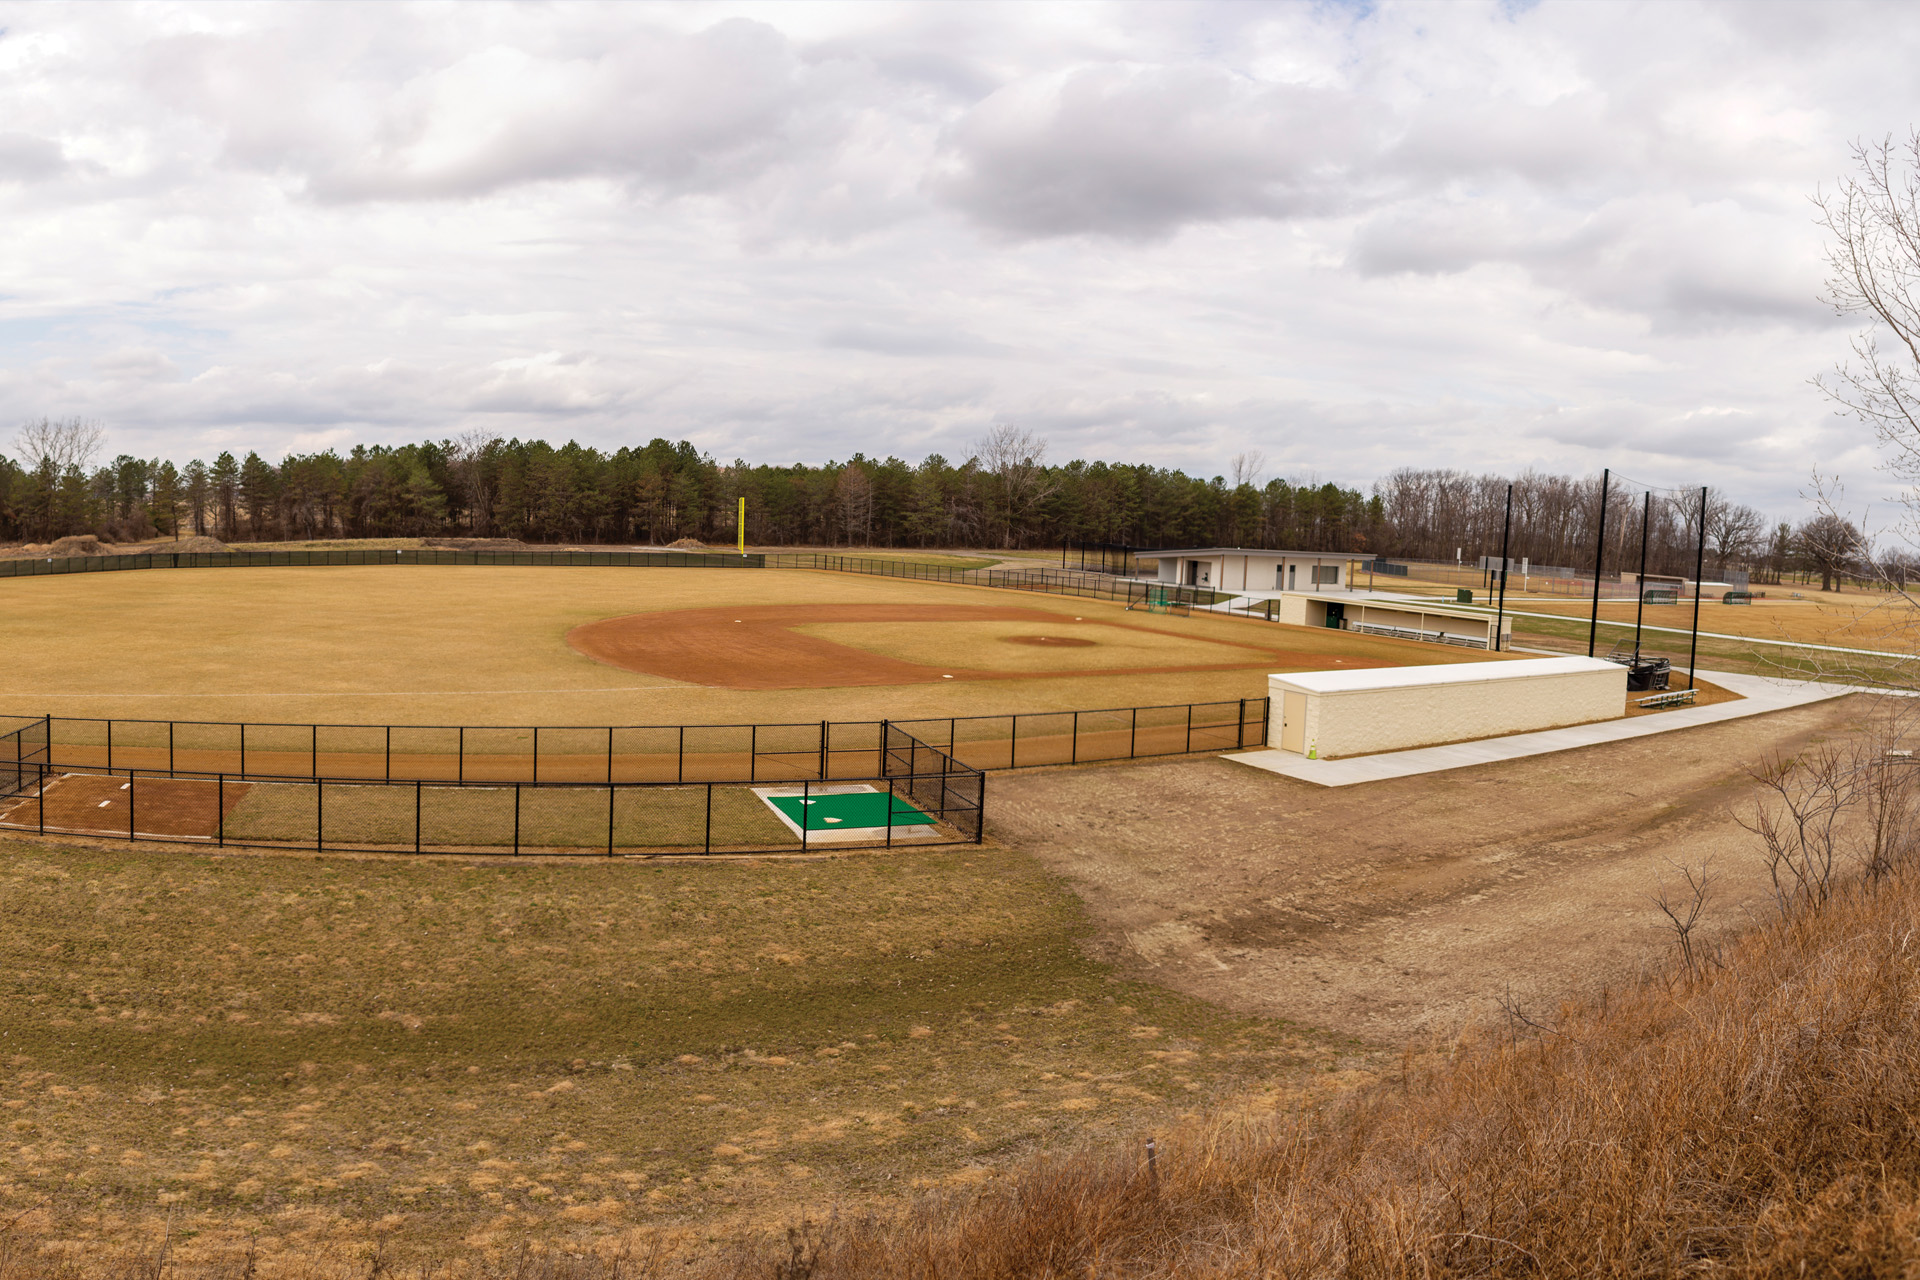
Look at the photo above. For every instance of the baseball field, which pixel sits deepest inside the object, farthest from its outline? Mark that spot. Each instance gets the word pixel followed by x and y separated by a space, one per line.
pixel 443 645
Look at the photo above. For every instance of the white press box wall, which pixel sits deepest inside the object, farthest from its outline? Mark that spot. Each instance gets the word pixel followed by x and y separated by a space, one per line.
pixel 1356 713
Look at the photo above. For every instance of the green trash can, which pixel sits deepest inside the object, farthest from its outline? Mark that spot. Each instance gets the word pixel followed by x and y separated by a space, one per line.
pixel 1463 595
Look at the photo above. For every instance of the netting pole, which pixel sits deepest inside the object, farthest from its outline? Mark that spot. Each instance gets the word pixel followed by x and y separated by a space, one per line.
pixel 516 819
pixel 1599 556
pixel 1699 567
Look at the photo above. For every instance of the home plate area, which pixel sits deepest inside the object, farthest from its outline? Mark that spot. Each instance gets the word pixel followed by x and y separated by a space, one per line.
pixel 853 812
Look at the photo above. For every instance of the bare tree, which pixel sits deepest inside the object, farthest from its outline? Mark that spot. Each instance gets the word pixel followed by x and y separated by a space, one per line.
pixel 1831 547
pixel 1248 467
pixel 466 458
pixel 1017 459
pixel 66 442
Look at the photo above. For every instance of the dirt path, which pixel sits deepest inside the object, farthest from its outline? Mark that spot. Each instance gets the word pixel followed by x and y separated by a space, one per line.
pixel 1409 905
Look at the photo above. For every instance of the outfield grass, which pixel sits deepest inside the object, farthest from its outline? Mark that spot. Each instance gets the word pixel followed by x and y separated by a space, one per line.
pixel 450 1055
pixel 486 645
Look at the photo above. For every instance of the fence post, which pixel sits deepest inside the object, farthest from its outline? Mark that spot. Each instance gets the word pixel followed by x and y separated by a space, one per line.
pixel 460 756
pixel 220 802
pixel 243 748
pixel 313 750
pixel 129 804
pixel 386 764
pixel 319 813
pixel 706 840
pixel 516 819
pixel 1074 755
pixel 109 746
pixel 1013 744
pixel 536 753
pixel 823 751
pixel 1189 727
pixel 609 810
pixel 416 815
pixel 889 813
pixel 806 798
pixel 680 757
pixel 980 811
pixel 1133 734
pixel 1240 726
pixel 170 768
pixel 43 799
pixel 609 755
pixel 753 753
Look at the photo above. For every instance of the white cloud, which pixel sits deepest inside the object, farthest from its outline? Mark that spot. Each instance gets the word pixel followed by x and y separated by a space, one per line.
pixel 1471 235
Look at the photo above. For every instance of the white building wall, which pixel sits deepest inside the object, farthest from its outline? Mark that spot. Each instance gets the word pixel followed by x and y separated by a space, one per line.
pixel 1426 706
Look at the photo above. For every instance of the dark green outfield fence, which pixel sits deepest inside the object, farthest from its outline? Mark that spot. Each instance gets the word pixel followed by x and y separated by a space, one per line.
pixel 1045 580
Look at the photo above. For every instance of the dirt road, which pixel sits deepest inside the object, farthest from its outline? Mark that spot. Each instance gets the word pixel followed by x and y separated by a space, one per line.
pixel 1398 907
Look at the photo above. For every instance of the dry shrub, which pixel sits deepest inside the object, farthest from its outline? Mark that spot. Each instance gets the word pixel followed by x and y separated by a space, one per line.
pixel 1756 1118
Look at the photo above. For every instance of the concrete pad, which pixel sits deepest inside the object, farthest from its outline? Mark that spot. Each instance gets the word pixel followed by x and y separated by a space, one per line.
pixel 1759 695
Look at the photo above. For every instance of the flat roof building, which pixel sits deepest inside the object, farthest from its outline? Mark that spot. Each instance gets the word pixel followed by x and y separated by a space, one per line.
pixel 1237 569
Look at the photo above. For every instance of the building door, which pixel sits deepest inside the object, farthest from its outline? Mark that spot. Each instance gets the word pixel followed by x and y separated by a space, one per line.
pixel 1293 571
pixel 1193 573
pixel 1336 614
pixel 1293 722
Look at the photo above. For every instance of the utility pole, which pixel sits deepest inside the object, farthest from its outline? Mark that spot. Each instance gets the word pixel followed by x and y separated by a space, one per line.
pixel 1599 553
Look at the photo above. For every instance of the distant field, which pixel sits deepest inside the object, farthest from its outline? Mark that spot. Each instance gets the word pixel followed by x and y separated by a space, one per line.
pixel 488 645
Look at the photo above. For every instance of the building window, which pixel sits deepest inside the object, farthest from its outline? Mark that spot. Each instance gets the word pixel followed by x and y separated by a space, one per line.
pixel 1326 575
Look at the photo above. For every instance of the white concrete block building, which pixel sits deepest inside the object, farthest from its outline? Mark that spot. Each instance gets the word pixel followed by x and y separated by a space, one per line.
pixel 1332 714
pixel 1236 569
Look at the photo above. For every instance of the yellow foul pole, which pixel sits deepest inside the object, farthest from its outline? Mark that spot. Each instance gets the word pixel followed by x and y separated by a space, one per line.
pixel 741 524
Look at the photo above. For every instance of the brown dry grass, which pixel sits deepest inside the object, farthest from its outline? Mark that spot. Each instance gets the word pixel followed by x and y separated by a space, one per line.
pixel 1757 1120
pixel 448 1058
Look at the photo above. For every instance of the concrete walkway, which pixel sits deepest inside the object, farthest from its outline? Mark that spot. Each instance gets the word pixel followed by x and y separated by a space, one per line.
pixel 1759 695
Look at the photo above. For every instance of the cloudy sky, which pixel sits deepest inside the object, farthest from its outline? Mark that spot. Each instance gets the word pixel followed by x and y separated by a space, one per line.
pixel 1352 237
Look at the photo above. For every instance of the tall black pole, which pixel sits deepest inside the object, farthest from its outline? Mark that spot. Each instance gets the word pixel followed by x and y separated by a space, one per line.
pixel 1506 531
pixel 1599 553
pixel 1699 567
pixel 1640 605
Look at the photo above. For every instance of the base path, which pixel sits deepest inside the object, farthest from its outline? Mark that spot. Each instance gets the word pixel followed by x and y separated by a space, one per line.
pixel 756 647
pixel 1757 695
